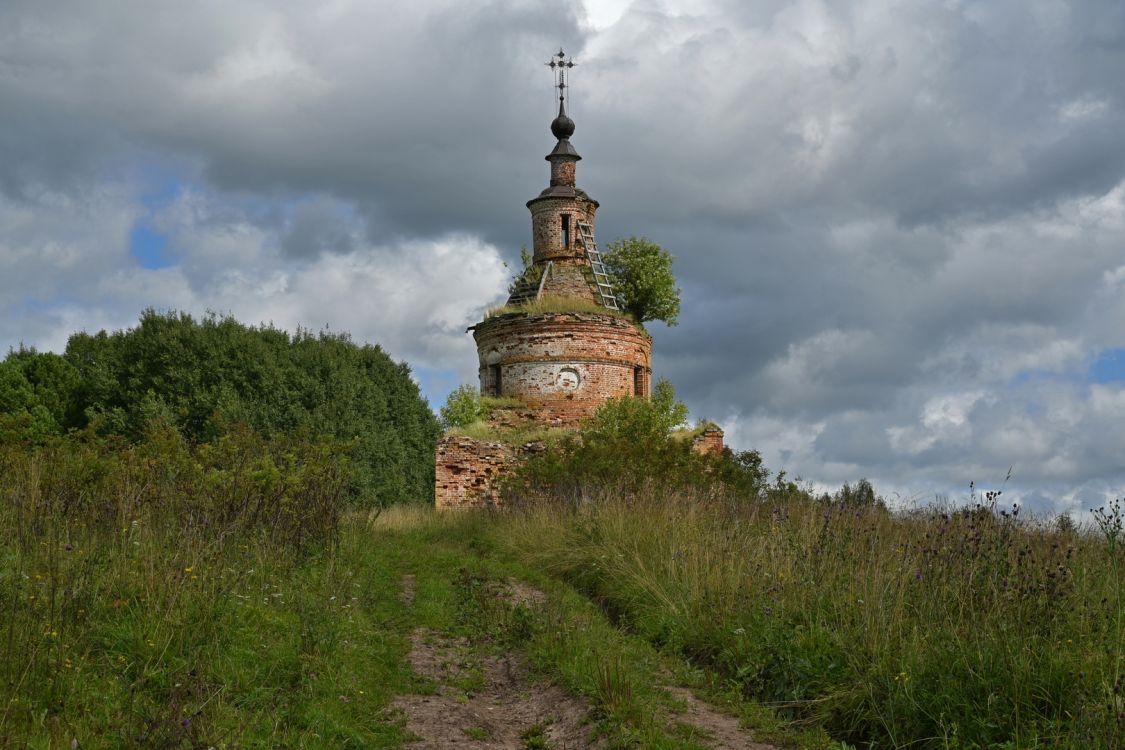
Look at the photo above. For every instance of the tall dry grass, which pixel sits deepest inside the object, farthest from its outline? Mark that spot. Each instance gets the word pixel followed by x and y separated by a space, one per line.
pixel 946 628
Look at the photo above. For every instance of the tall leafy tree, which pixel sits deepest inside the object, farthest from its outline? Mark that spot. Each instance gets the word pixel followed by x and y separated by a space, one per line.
pixel 202 375
pixel 38 395
pixel 641 272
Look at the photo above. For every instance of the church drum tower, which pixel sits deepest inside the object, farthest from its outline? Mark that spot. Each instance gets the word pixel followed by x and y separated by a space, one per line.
pixel 563 364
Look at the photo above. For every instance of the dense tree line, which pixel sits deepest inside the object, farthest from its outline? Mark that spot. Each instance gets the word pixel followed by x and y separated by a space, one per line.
pixel 201 376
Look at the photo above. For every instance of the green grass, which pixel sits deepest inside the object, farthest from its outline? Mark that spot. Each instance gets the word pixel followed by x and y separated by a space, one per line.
pixel 161 596
pixel 485 431
pixel 939 629
pixel 154 612
pixel 170 595
pixel 461 561
pixel 550 303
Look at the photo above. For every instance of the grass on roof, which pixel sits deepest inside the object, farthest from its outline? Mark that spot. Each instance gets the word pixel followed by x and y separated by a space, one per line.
pixel 531 433
pixel 550 303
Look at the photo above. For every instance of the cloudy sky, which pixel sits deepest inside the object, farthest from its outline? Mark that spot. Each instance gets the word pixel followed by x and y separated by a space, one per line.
pixel 899 225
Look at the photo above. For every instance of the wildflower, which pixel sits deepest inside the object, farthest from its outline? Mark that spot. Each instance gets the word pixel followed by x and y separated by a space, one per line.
pixel 917 575
pixel 189 568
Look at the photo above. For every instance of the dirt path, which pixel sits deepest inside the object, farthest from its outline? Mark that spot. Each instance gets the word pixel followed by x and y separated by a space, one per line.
pixel 721 731
pixel 406 596
pixel 483 700
pixel 487 702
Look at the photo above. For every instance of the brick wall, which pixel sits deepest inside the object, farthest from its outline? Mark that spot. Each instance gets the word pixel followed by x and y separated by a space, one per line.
pixel 562 170
pixel 570 278
pixel 565 364
pixel 709 442
pixel 465 471
pixel 546 226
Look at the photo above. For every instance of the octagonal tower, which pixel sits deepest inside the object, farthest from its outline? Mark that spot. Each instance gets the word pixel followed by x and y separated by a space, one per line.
pixel 561 344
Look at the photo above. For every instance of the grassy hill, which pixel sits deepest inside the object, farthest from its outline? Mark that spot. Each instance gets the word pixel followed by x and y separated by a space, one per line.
pixel 175 594
pixel 207 567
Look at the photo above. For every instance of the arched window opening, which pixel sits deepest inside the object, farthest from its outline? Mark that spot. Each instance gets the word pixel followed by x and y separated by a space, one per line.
pixel 497 385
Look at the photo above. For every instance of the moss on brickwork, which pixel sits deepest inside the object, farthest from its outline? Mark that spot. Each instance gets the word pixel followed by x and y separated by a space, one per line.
pixel 551 303
pixel 510 422
pixel 490 433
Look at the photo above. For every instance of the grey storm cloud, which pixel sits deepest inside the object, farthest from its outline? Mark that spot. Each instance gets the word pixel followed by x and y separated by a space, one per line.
pixel 899 227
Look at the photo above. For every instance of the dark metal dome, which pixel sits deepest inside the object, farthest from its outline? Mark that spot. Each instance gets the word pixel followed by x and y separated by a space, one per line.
pixel 562 127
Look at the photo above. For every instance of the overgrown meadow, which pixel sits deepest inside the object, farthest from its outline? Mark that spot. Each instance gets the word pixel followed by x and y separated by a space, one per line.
pixel 947 628
pixel 954 627
pixel 181 582
pixel 159 593
pixel 174 571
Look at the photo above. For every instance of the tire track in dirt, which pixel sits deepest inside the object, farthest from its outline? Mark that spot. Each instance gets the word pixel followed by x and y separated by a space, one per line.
pixel 721 731
pixel 508 709
pixel 486 701
pixel 494 702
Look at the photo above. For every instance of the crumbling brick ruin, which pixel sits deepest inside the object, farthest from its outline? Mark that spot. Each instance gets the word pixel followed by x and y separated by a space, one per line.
pixel 709 442
pixel 563 365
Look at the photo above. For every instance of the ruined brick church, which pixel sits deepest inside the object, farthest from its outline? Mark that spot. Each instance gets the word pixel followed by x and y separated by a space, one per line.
pixel 562 364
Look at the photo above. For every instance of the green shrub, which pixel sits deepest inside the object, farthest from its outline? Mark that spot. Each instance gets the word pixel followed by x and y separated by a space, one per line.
pixel 200 376
pixel 37 395
pixel 628 444
pixel 462 408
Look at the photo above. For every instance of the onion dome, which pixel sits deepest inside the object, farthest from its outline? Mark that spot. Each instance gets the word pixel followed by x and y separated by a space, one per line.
pixel 562 127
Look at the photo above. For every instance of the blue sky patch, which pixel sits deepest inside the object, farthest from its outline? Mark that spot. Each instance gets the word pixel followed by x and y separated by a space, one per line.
pixel 436 384
pixel 1108 367
pixel 147 246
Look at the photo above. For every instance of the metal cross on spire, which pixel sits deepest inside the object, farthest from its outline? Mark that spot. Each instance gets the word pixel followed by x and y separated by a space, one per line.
pixel 560 65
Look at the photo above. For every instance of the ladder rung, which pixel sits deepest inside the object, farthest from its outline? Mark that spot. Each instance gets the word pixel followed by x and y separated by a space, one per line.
pixel 601 276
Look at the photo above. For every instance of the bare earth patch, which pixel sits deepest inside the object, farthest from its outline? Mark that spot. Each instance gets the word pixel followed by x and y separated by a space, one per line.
pixel 496 705
pixel 721 731
pixel 406 596
pixel 519 593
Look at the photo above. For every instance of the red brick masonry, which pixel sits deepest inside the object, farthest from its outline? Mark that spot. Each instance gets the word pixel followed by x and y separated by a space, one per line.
pixel 709 442
pixel 465 472
pixel 564 364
